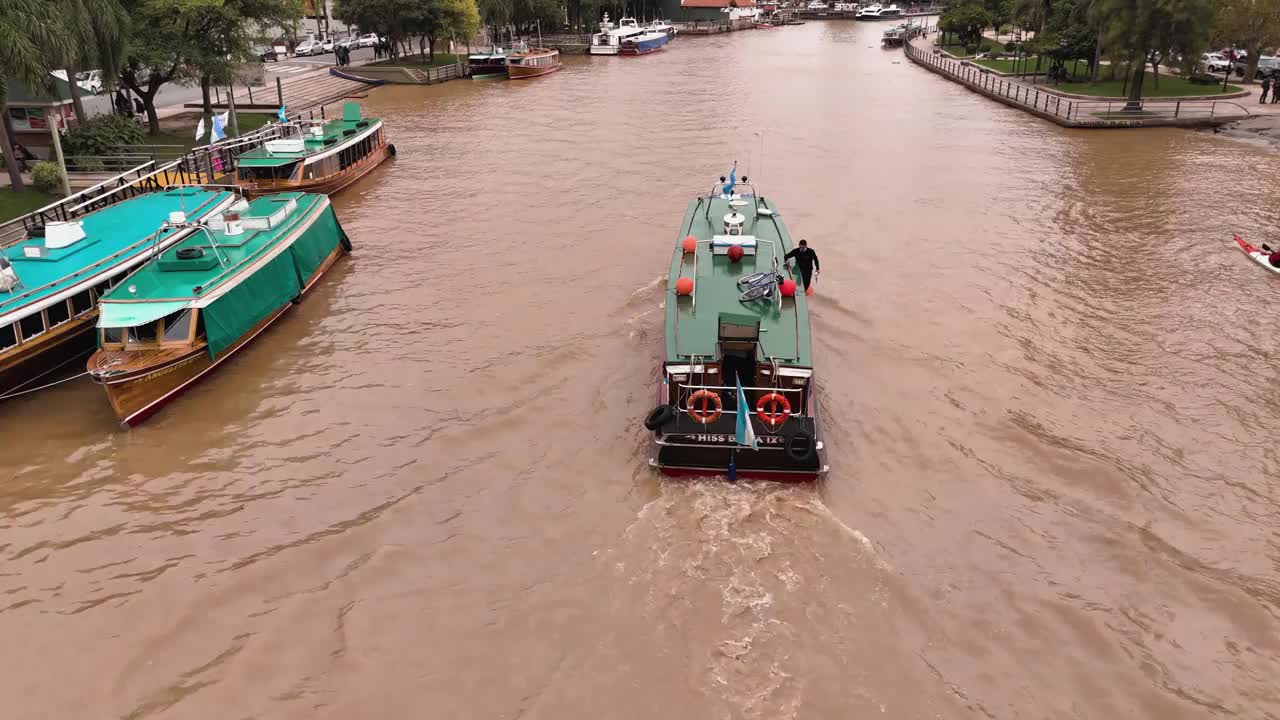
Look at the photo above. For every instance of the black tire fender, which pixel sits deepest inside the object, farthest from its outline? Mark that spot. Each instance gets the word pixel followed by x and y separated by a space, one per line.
pixel 659 418
pixel 801 446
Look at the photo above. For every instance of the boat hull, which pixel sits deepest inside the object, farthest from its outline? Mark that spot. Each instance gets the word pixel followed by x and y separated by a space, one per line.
pixel 320 186
pixel 603 50
pixel 138 394
pixel 644 47
pixel 40 358
pixel 686 448
pixel 520 72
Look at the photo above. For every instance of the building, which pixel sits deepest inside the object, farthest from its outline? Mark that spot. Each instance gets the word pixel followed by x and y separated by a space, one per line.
pixel 318 20
pixel 30 114
pixel 692 10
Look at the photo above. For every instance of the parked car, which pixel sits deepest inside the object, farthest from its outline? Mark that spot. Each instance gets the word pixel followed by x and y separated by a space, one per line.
pixel 1214 62
pixel 350 43
pixel 368 40
pixel 90 81
pixel 307 47
pixel 326 46
pixel 1267 67
pixel 265 53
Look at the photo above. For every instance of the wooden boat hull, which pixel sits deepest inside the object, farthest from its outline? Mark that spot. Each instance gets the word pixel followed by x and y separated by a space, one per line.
pixel 519 72
pixel 322 186
pixel 138 394
pixel 41 357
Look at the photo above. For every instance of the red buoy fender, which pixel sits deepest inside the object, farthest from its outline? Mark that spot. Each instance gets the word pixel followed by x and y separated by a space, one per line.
pixel 773 410
pixel 705 406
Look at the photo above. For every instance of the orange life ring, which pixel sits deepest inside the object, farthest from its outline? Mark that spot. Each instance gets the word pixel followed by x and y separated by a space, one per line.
pixel 773 410
pixel 705 406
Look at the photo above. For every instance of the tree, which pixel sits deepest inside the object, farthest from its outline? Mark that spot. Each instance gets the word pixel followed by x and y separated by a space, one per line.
pixel 1138 28
pixel 1250 24
pixel 94 31
pixel 28 39
pixel 966 22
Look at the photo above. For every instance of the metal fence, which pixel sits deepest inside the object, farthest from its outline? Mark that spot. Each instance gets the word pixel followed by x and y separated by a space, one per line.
pixel 1078 113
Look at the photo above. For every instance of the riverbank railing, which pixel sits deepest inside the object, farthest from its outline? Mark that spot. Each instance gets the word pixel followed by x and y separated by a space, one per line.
pixel 1073 112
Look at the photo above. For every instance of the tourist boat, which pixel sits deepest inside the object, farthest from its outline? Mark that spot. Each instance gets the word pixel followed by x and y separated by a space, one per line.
pixel 198 302
pixel 737 370
pixel 51 281
pixel 662 26
pixel 609 40
pixel 644 43
pixel 879 12
pixel 316 156
pixel 895 36
pixel 524 62
pixel 487 66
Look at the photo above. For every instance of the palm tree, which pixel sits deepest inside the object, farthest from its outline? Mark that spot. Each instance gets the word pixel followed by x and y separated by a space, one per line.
pixel 26 38
pixel 94 30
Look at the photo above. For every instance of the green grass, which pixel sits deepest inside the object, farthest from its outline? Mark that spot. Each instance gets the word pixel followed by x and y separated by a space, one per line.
pixel 185 136
pixel 420 62
pixel 14 203
pixel 1169 86
pixel 988 45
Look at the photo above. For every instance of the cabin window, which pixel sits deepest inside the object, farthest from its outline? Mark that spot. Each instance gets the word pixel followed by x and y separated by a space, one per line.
pixel 112 336
pixel 31 325
pixel 8 337
pixel 81 303
pixel 143 334
pixel 177 327
pixel 57 314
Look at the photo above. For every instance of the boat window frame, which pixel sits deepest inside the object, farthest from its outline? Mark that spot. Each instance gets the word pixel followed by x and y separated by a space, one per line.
pixel 13 330
pixel 23 337
pixel 130 344
pixel 49 324
pixel 106 344
pixel 88 297
pixel 191 329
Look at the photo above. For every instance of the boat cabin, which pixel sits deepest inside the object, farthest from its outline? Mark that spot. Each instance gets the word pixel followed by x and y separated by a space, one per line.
pixel 314 154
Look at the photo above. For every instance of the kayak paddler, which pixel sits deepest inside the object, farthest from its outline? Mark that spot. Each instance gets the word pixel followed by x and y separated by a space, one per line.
pixel 807 261
pixel 1274 257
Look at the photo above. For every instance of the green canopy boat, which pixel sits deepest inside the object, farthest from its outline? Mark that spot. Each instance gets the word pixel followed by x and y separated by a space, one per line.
pixel 194 305
pixel 736 386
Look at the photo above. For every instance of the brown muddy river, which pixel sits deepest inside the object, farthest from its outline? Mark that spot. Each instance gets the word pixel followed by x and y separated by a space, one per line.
pixel 1049 381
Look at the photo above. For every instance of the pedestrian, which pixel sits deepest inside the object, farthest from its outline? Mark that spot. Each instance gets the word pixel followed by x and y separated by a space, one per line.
pixel 1266 87
pixel 122 103
pixel 807 261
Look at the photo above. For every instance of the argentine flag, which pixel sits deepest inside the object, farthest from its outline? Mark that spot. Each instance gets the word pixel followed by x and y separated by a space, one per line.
pixel 746 433
pixel 733 180
pixel 219 130
pixel 282 117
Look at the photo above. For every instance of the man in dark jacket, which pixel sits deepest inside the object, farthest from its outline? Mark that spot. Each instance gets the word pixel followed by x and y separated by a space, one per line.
pixel 807 261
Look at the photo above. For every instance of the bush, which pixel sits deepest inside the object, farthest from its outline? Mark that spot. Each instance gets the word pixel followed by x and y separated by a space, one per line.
pixel 104 135
pixel 47 177
pixel 89 165
pixel 970 49
pixel 1011 46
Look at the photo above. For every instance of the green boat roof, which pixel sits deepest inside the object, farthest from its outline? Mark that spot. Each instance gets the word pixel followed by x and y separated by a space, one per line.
pixel 169 283
pixel 335 134
pixel 113 236
pixel 693 322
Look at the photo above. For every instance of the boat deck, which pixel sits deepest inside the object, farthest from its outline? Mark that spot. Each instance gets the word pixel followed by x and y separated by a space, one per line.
pixel 335 133
pixel 112 235
pixel 168 279
pixel 692 323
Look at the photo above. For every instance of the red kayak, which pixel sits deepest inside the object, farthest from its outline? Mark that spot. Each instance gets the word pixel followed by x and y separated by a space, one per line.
pixel 1259 256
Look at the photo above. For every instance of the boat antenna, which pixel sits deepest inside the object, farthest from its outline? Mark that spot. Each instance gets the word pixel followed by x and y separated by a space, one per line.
pixel 539 33
pixel 761 134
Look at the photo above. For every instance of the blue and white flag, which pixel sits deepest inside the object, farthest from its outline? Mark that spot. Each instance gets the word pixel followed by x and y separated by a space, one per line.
pixel 733 180
pixel 283 118
pixel 746 435
pixel 219 131
pixel 200 129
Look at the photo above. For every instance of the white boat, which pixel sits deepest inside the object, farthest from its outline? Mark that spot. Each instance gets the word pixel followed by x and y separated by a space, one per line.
pixel 662 26
pixel 609 40
pixel 879 12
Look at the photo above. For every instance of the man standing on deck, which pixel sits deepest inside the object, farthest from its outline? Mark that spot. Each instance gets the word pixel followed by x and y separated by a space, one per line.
pixel 807 261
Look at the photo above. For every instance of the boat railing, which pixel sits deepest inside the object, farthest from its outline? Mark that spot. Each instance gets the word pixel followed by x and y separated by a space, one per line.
pixel 688 389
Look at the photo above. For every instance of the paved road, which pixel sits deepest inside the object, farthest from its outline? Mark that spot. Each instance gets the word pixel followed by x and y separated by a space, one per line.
pixel 175 94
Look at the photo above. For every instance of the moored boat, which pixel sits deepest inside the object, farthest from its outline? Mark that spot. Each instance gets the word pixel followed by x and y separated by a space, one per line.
pixel 197 303
pixel 663 26
pixel 50 282
pixel 487 66
pixel 524 62
pixel 736 386
pixel 879 12
pixel 316 156
pixel 644 43
pixel 609 40
pixel 763 24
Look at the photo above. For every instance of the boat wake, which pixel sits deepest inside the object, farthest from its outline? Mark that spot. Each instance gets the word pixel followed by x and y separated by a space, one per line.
pixel 735 568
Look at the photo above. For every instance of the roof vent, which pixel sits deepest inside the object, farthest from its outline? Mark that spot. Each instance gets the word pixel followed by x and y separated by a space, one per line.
pixel 234 226
pixel 177 217
pixel 63 234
